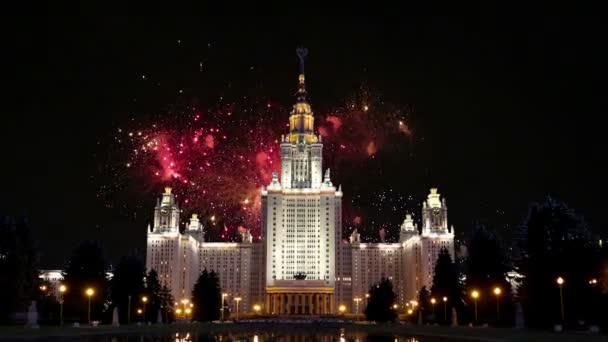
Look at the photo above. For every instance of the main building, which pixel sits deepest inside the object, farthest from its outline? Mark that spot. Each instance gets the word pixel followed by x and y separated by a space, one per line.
pixel 302 265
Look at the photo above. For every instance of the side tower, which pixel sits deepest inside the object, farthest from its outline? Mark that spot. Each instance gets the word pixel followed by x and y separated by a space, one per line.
pixel 302 218
pixel 163 241
pixel 435 236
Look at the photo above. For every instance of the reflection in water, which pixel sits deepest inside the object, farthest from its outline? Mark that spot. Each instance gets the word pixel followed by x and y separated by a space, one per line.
pixel 256 336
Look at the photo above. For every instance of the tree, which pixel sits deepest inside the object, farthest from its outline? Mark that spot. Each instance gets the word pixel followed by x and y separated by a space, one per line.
pixel 446 284
pixel 556 242
pixel 487 270
pixel 86 269
pixel 166 304
pixel 153 294
pixel 423 301
pixel 207 297
pixel 18 266
pixel 127 282
pixel 381 300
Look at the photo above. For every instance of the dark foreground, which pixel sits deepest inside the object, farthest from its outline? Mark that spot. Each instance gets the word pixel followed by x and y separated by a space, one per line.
pixel 281 330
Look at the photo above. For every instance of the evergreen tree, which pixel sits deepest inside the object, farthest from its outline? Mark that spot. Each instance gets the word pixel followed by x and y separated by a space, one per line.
pixel 153 293
pixel 207 297
pixel 446 284
pixel 423 302
pixel 19 282
pixel 487 270
pixel 128 281
pixel 166 304
pixel 556 243
pixel 381 300
pixel 86 269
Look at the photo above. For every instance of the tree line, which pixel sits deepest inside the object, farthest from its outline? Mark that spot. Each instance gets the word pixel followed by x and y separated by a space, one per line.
pixel 137 294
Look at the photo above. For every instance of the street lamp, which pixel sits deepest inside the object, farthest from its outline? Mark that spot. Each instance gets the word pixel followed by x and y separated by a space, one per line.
pixel 89 292
pixel 357 300
pixel 475 295
pixel 139 312
pixel 129 310
pixel 224 295
pixel 237 300
pixel 560 283
pixel 144 299
pixel 395 306
pixel 497 292
pixel 366 298
pixel 62 290
pixel 257 308
pixel 185 303
pixel 433 302
pixel 342 308
pixel 445 308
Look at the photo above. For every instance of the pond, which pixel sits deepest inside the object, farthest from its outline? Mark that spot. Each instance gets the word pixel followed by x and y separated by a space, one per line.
pixel 312 335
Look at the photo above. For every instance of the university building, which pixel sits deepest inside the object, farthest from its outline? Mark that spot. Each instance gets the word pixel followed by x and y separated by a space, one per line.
pixel 302 265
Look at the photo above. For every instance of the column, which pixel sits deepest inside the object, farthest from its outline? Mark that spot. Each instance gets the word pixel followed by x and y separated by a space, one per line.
pixel 309 299
pixel 266 303
pixel 321 305
pixel 298 303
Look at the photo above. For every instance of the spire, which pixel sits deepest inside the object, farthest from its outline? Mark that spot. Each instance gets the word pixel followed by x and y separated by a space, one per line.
pixel 301 95
pixel 327 180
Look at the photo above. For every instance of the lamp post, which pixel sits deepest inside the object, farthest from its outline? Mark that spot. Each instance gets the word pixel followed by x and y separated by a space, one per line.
pixel 129 310
pixel 89 292
pixel 144 299
pixel 497 292
pixel 560 283
pixel 366 299
pixel 62 290
pixel 357 300
pixel 342 309
pixel 475 295
pixel 224 295
pixel 139 312
pixel 433 302
pixel 237 300
pixel 445 308
pixel 257 308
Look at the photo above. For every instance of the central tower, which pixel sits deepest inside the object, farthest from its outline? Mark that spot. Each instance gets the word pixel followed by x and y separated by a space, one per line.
pixel 301 219
pixel 301 149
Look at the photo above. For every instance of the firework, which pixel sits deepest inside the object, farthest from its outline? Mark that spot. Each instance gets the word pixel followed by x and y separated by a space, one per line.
pixel 217 159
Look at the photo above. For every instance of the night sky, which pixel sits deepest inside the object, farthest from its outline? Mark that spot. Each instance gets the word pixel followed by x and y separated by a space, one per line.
pixel 503 110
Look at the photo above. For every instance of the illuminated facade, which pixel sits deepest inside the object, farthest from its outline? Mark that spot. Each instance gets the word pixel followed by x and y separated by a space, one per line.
pixel 302 266
pixel 409 263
